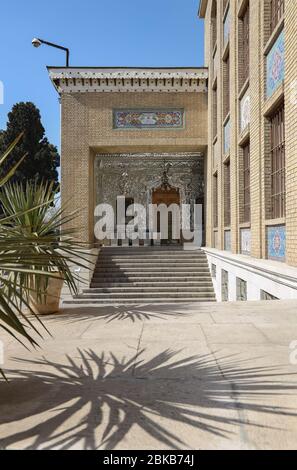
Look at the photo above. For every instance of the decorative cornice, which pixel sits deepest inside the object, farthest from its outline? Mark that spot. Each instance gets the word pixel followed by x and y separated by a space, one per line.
pixel 159 156
pixel 96 79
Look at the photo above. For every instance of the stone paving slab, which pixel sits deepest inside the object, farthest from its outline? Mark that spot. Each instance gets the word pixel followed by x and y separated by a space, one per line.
pixel 155 377
pixel 278 333
pixel 171 333
pixel 233 334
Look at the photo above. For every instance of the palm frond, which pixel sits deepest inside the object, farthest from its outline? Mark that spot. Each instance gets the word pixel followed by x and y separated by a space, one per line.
pixel 36 243
pixel 11 148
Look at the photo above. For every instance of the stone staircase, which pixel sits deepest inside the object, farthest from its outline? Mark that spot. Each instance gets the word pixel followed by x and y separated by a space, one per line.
pixel 150 275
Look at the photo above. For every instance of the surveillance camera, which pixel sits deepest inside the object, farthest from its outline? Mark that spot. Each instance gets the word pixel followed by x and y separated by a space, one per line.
pixel 36 42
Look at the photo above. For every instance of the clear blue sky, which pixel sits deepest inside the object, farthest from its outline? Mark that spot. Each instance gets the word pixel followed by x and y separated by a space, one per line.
pixel 98 33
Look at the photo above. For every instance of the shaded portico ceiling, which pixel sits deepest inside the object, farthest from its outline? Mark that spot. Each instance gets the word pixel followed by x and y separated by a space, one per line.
pixel 129 79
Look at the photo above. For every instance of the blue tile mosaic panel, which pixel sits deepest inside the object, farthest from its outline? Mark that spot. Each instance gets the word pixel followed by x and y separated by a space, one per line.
pixel 148 118
pixel 227 137
pixel 276 241
pixel 227 240
pixel 275 63
pixel 246 241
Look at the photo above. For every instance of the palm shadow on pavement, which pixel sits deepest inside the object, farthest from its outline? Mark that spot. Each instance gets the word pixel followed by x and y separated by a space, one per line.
pixel 94 401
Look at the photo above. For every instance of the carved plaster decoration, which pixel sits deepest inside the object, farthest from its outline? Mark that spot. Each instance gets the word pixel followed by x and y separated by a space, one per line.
pixel 137 175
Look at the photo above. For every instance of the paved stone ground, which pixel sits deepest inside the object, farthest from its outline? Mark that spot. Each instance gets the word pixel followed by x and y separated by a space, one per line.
pixel 214 376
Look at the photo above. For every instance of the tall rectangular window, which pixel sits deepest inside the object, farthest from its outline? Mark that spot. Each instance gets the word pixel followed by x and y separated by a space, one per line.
pixel 226 86
pixel 213 24
pixel 213 271
pixel 226 26
pixel 246 183
pixel 215 202
pixel 277 8
pixel 227 195
pixel 215 112
pixel 241 290
pixel 278 164
pixel 225 285
pixel 244 49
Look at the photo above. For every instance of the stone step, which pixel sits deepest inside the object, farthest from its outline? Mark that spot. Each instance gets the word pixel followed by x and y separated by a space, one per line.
pixel 142 266
pixel 156 255
pixel 125 281
pixel 104 285
pixel 158 275
pixel 147 249
pixel 147 267
pixel 140 259
pixel 131 259
pixel 160 256
pixel 150 277
pixel 146 295
pixel 138 276
pixel 136 289
pixel 158 268
pixel 118 302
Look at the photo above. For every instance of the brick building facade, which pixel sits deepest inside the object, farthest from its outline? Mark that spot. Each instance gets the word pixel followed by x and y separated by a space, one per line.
pixel 250 51
pixel 91 100
pixel 238 115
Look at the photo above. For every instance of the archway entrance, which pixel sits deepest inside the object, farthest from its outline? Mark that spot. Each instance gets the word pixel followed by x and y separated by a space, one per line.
pixel 166 196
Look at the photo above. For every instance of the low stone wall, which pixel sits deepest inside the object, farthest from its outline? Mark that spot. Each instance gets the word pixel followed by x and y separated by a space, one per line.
pixel 235 276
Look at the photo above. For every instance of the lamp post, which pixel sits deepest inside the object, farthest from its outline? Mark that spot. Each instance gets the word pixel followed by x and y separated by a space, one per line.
pixel 36 42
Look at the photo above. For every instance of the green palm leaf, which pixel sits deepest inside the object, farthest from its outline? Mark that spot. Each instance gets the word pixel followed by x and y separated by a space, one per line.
pixel 36 243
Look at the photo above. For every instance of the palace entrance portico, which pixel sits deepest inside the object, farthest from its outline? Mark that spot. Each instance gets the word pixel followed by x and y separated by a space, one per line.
pixel 121 127
pixel 149 178
pixel 141 134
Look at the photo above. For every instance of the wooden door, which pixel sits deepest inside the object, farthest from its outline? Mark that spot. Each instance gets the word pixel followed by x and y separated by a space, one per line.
pixel 161 196
pixel 167 197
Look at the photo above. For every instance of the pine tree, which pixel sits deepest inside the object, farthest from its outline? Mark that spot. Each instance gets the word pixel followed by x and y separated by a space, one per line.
pixel 43 158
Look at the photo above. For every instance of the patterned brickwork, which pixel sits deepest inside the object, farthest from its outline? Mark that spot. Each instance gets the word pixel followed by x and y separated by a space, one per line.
pixel 87 128
pixel 262 41
pixel 291 129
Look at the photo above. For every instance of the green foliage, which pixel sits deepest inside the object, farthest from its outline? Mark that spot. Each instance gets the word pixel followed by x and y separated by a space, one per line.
pixel 44 244
pixel 43 158
pixel 34 245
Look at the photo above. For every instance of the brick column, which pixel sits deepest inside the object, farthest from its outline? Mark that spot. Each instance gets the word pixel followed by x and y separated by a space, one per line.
pixel 256 68
pixel 234 127
pixel 291 129
pixel 77 164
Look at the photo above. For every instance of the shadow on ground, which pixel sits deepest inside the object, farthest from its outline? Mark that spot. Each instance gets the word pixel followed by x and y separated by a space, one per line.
pixel 95 401
pixel 132 313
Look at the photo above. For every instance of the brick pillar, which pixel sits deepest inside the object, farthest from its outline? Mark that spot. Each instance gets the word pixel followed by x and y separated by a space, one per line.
pixel 220 103
pixel 77 164
pixel 256 68
pixel 291 129
pixel 234 127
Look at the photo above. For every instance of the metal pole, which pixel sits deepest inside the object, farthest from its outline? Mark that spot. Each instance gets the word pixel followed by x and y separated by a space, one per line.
pixel 65 49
